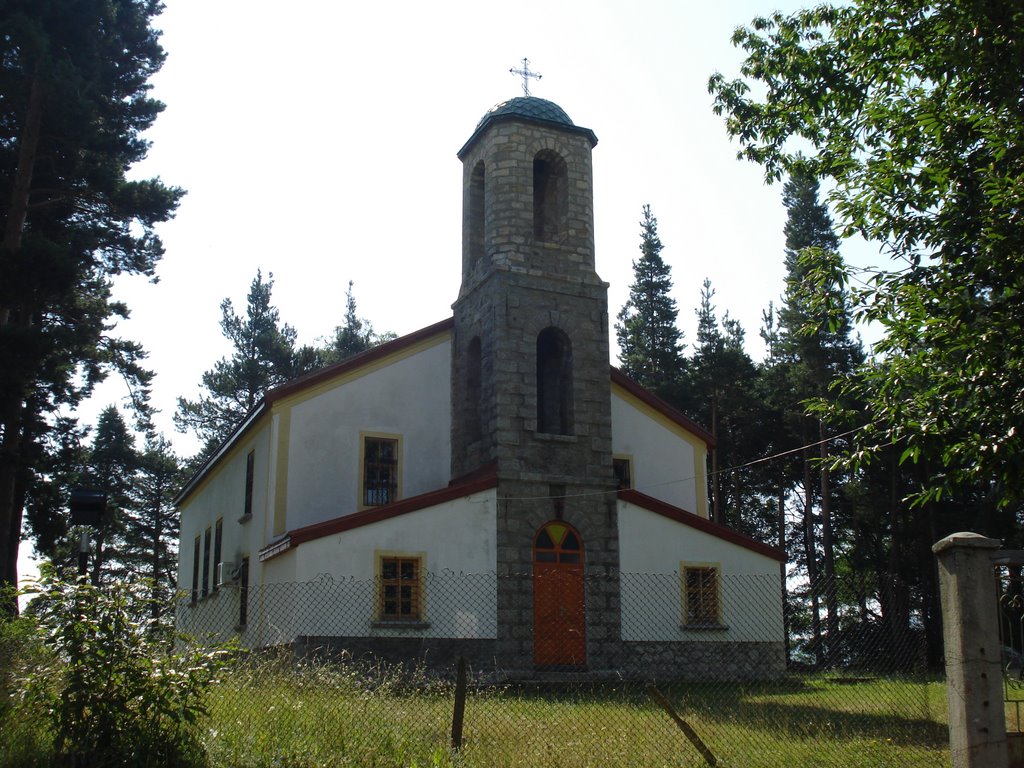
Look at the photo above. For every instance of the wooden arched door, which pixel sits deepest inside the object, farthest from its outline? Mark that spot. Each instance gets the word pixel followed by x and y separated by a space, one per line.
pixel 559 615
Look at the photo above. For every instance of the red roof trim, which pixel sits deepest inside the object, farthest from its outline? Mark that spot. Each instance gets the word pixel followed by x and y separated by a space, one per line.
pixel 662 407
pixel 399 508
pixel 688 518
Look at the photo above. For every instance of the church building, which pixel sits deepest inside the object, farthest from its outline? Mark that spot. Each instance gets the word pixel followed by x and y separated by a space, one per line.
pixel 487 486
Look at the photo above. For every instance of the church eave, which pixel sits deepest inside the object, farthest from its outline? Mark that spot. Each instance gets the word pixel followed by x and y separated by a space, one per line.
pixel 294 538
pixel 655 402
pixel 302 383
pixel 659 507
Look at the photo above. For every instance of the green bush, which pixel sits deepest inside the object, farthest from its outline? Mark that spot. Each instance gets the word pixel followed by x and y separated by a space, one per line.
pixel 26 740
pixel 115 689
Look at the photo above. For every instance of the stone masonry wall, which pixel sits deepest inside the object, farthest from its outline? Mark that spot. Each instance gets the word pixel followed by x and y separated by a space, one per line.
pixel 518 287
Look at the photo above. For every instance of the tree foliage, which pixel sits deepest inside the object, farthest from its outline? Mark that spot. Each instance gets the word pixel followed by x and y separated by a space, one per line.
pixel 73 105
pixel 913 109
pixel 113 686
pixel 355 335
pixel 150 546
pixel 263 356
pixel 138 536
pixel 650 343
pixel 720 392
pixel 111 466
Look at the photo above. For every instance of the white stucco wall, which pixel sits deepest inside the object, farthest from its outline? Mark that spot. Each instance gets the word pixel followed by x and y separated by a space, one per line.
pixel 652 549
pixel 663 462
pixel 409 397
pixel 329 584
pixel 222 495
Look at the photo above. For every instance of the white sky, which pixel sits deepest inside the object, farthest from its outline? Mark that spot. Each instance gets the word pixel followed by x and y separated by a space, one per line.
pixel 317 141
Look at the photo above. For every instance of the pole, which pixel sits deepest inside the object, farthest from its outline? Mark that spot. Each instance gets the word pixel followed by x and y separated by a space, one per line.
pixel 83 553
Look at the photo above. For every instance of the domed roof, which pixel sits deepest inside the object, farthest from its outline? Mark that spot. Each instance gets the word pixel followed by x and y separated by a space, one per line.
pixel 529 109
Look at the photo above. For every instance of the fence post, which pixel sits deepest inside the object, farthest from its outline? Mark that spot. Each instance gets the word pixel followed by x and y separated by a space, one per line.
pixel 970 631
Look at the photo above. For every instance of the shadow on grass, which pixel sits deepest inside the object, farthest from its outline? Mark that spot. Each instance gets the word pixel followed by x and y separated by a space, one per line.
pixel 811 708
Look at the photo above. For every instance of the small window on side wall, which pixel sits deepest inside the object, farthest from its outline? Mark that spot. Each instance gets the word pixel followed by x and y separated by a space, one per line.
pixel 380 470
pixel 250 465
pixel 243 592
pixel 623 468
pixel 401 588
pixel 218 542
pixel 701 603
pixel 196 553
pixel 207 537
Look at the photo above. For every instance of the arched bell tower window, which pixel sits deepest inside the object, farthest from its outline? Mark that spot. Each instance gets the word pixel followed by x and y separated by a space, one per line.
pixel 554 382
pixel 550 196
pixel 476 214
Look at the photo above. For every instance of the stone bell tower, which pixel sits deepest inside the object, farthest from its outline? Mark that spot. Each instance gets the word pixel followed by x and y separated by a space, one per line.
pixel 530 370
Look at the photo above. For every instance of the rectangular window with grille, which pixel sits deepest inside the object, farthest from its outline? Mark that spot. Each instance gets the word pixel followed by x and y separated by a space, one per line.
pixel 218 541
pixel 250 467
pixel 400 589
pixel 243 592
pixel 206 563
pixel 700 596
pixel 195 568
pixel 380 470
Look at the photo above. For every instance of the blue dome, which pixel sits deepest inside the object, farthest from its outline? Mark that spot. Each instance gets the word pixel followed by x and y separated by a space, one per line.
pixel 529 109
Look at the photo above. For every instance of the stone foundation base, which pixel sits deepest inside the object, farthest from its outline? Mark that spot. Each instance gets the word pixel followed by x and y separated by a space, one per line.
pixel 691 661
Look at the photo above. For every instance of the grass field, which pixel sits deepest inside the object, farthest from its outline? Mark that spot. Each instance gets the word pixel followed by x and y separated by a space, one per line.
pixel 326 716
pixel 275 714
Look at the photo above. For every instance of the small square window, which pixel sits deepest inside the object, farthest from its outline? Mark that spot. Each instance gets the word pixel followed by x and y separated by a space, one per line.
pixel 400 589
pixel 700 596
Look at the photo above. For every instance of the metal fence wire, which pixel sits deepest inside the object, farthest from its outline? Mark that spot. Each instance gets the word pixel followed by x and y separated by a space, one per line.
pixel 753 675
pixel 1010 586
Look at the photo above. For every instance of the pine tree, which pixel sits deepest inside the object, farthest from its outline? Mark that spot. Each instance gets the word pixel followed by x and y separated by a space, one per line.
pixel 721 393
pixel 73 79
pixel 151 527
pixel 912 109
pixel 817 349
pixel 263 357
pixel 61 465
pixel 354 336
pixel 111 465
pixel 650 343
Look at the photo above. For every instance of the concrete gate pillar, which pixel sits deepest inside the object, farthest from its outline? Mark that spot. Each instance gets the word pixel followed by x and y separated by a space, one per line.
pixel 970 629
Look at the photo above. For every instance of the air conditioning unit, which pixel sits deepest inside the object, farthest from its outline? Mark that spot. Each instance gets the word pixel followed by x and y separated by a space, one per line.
pixel 227 572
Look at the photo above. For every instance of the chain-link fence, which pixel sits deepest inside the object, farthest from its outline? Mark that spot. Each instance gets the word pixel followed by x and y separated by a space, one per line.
pixel 703 669
pixel 1010 592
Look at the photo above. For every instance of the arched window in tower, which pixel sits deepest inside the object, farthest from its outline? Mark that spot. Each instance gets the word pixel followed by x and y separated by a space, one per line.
pixel 550 196
pixel 475 214
pixel 471 407
pixel 554 382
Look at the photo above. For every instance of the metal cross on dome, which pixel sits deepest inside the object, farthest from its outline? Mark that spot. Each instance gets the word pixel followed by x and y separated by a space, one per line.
pixel 526 74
